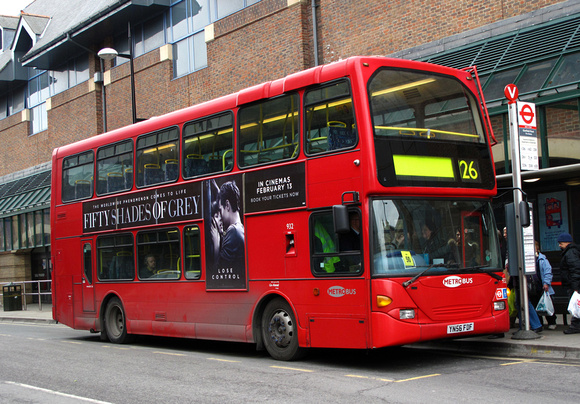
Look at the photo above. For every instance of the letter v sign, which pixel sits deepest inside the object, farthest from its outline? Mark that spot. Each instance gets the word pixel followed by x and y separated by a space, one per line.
pixel 511 92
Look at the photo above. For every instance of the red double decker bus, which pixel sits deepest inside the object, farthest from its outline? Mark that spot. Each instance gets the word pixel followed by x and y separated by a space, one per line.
pixel 345 206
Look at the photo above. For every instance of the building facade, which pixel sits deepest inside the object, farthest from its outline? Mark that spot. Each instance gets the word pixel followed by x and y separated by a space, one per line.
pixel 55 89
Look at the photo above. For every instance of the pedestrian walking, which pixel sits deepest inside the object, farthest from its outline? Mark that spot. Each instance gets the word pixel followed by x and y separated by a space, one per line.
pixel 570 271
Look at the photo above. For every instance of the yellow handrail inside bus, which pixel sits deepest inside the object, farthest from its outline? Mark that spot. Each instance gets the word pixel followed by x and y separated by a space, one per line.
pixel 224 158
pixel 428 133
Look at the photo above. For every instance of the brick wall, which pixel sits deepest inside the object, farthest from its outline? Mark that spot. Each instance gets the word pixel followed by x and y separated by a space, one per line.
pixel 12 133
pixel 563 122
pixel 370 27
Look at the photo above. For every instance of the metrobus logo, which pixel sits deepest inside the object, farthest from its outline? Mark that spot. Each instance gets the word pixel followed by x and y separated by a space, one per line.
pixel 339 291
pixel 455 281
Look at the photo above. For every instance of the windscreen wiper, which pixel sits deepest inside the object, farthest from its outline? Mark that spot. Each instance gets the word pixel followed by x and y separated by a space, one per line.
pixel 414 278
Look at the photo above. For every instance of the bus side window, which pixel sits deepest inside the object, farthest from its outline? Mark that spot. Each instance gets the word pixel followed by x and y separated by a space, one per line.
pixel 207 145
pixel 115 168
pixel 115 257
pixel 158 254
pixel 77 177
pixel 157 158
pixel 269 131
pixel 191 253
pixel 331 254
pixel 330 123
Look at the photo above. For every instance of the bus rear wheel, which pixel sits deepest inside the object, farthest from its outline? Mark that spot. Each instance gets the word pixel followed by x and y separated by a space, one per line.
pixel 115 322
pixel 280 331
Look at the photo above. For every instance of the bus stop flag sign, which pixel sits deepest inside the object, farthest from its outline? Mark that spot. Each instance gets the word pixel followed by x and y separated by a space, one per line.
pixel 511 92
pixel 528 135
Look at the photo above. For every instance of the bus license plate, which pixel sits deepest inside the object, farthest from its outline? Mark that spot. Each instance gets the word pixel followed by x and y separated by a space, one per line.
pixel 455 328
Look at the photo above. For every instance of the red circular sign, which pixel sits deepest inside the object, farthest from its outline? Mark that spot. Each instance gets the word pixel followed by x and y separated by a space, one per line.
pixel 511 92
pixel 527 114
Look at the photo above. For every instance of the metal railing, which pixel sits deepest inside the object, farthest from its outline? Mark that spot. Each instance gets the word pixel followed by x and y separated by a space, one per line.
pixel 38 291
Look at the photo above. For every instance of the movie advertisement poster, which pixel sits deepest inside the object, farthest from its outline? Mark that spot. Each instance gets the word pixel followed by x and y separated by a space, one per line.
pixel 552 218
pixel 224 232
pixel 149 207
pixel 276 188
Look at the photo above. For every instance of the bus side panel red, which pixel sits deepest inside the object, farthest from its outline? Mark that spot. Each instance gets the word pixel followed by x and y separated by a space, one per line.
pixel 278 246
pixel 63 312
pixel 329 177
pixel 333 310
pixel 338 332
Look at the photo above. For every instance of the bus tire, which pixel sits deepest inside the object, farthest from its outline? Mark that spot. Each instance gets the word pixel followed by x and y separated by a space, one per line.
pixel 115 322
pixel 280 331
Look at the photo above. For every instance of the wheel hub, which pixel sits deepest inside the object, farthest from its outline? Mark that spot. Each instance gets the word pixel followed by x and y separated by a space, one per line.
pixel 281 329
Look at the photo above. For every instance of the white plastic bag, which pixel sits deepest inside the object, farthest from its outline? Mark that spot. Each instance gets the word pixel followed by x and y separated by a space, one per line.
pixel 545 306
pixel 574 305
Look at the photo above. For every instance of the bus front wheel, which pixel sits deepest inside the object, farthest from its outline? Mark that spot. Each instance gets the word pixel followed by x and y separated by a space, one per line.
pixel 280 331
pixel 115 322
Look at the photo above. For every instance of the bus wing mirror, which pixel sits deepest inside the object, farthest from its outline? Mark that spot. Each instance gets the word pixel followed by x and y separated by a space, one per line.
pixel 524 214
pixel 340 219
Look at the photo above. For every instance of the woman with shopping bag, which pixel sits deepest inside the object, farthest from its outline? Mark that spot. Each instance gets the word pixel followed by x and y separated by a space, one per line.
pixel 544 273
pixel 570 270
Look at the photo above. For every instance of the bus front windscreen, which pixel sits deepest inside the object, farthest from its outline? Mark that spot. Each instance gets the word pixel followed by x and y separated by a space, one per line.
pixel 428 131
pixel 411 235
pixel 423 106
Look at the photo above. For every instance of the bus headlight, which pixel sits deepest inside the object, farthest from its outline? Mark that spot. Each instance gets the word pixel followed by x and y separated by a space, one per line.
pixel 498 306
pixel 406 314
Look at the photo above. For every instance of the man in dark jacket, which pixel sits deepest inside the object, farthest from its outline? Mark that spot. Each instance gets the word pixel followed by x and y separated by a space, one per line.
pixel 570 271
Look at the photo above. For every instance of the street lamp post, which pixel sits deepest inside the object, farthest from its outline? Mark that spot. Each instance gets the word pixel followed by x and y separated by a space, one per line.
pixel 110 53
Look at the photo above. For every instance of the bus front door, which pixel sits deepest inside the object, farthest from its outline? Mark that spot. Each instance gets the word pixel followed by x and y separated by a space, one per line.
pixel 87 277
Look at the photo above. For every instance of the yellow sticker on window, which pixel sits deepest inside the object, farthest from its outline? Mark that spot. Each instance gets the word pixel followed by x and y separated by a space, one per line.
pixel 408 259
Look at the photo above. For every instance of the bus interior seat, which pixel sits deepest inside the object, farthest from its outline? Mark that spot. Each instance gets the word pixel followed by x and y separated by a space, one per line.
pixel 195 165
pixel 101 186
pixel 82 189
pixel 115 182
pixel 215 164
pixel 171 169
pixel 340 138
pixel 128 178
pixel 152 174
pixel 122 266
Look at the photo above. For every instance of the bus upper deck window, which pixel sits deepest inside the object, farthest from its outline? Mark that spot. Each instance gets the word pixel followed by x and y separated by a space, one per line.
pixel 115 168
pixel 157 158
pixel 269 131
pixel 207 145
pixel 77 177
pixel 329 114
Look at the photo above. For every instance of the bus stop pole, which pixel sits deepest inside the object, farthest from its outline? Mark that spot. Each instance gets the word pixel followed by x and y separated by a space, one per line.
pixel 517 185
pixel 517 193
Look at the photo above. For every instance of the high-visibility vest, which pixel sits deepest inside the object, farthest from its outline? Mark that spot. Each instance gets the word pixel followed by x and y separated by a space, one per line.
pixel 327 246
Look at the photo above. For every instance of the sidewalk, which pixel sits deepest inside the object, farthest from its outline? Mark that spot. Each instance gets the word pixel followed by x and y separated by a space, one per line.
pixel 552 344
pixel 31 314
